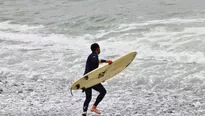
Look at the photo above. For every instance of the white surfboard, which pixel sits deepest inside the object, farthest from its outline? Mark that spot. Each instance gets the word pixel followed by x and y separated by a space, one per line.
pixel 103 73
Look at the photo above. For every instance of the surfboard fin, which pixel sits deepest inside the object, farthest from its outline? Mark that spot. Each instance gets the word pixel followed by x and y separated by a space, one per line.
pixel 71 91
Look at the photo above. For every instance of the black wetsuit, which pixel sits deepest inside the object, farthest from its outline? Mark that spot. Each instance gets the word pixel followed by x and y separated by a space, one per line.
pixel 91 64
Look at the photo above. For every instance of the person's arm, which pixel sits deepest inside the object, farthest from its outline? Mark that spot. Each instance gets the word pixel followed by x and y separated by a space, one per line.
pixel 105 61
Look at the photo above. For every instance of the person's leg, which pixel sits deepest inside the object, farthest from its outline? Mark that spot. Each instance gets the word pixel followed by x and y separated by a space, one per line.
pixel 102 92
pixel 100 88
pixel 88 93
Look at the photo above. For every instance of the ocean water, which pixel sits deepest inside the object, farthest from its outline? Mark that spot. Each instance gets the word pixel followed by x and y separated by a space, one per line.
pixel 44 45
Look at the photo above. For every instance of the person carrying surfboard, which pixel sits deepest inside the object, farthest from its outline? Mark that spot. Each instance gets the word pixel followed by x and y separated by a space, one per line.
pixel 91 64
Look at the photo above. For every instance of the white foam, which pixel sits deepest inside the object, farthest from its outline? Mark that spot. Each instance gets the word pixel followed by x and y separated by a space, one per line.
pixel 163 21
pixel 176 21
pixel 159 43
pixel 146 51
pixel 162 101
pixel 7 25
pixel 156 30
pixel 196 30
pixel 155 43
pixel 185 57
pixel 78 44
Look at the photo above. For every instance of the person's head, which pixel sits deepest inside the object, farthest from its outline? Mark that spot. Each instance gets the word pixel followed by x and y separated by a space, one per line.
pixel 95 48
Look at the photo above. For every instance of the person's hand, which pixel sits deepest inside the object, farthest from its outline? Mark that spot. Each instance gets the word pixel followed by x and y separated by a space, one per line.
pixel 109 62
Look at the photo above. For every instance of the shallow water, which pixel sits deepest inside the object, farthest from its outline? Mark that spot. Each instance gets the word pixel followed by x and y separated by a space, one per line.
pixel 44 46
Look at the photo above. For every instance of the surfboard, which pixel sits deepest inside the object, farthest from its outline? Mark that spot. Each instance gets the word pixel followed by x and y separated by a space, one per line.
pixel 103 73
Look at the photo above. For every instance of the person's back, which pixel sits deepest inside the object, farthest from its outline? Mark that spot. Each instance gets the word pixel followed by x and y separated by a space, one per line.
pixel 91 63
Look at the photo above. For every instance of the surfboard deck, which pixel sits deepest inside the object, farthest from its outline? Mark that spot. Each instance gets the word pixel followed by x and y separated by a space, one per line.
pixel 103 73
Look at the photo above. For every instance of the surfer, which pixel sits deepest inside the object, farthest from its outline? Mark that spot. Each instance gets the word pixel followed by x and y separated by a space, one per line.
pixel 91 64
